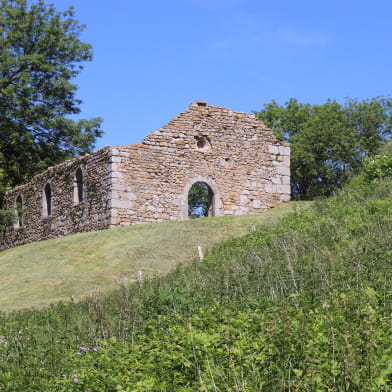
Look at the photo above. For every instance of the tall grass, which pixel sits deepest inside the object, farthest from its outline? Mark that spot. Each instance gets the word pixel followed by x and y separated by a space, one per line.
pixel 304 305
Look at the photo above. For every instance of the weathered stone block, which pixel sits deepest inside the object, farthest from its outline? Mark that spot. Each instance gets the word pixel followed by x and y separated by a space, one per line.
pixel 284 170
pixel 273 149
pixel 270 188
pixel 117 203
pixel 283 189
pixel 256 203
pixel 115 159
pixel 284 150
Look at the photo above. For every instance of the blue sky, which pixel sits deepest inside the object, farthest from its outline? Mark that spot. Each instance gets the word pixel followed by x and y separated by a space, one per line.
pixel 152 58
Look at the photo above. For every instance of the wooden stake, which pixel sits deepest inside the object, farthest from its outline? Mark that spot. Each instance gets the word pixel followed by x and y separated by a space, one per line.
pixel 140 277
pixel 201 257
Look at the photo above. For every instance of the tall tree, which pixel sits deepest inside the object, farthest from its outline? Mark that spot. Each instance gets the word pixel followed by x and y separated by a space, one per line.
pixel 328 142
pixel 40 53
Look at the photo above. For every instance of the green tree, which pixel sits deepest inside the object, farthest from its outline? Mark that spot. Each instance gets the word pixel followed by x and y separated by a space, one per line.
pixel 40 53
pixel 329 142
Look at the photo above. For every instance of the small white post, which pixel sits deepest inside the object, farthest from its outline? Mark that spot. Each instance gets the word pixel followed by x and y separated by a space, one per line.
pixel 140 277
pixel 201 257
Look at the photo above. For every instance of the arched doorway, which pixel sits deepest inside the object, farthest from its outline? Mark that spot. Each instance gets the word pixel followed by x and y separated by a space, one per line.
pixel 200 200
pixel 214 205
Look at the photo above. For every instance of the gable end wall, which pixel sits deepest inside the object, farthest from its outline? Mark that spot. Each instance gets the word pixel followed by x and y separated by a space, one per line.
pixel 244 164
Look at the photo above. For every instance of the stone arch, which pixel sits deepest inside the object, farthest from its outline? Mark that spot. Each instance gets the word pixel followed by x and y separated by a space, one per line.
pixel 47 200
pixel 200 200
pixel 215 197
pixel 78 191
pixel 18 211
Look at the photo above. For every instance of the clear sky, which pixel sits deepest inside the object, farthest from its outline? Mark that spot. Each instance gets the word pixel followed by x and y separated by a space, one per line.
pixel 152 58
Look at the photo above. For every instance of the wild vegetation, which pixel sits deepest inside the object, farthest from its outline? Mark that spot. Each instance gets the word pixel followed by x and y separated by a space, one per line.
pixel 303 305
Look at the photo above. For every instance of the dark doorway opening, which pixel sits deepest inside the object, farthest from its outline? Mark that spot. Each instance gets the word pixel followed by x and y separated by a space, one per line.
pixel 200 200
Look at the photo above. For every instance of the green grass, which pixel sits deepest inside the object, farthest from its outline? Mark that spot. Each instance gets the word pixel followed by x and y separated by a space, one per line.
pixel 37 274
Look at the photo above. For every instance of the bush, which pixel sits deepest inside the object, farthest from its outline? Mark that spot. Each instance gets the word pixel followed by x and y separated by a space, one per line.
pixel 376 167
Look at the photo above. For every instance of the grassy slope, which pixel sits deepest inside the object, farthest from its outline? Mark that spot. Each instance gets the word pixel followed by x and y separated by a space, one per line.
pixel 300 306
pixel 38 274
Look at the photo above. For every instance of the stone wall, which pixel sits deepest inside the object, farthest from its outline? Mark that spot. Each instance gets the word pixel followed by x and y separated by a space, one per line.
pixel 68 214
pixel 241 160
pixel 245 166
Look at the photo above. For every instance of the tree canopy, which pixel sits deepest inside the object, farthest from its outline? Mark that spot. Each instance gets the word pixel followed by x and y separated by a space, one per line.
pixel 40 54
pixel 329 142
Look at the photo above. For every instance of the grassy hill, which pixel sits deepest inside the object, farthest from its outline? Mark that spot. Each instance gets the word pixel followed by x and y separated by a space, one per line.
pixel 301 305
pixel 41 273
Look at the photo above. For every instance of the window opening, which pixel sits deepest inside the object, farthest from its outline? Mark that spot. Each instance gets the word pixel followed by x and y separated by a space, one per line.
pixel 19 211
pixel 202 143
pixel 78 191
pixel 48 200
pixel 200 200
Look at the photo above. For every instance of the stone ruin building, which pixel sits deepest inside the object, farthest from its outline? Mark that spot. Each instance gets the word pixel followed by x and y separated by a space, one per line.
pixel 246 169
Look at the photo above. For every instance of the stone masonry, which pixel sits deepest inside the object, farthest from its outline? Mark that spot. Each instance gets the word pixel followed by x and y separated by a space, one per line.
pixel 246 167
